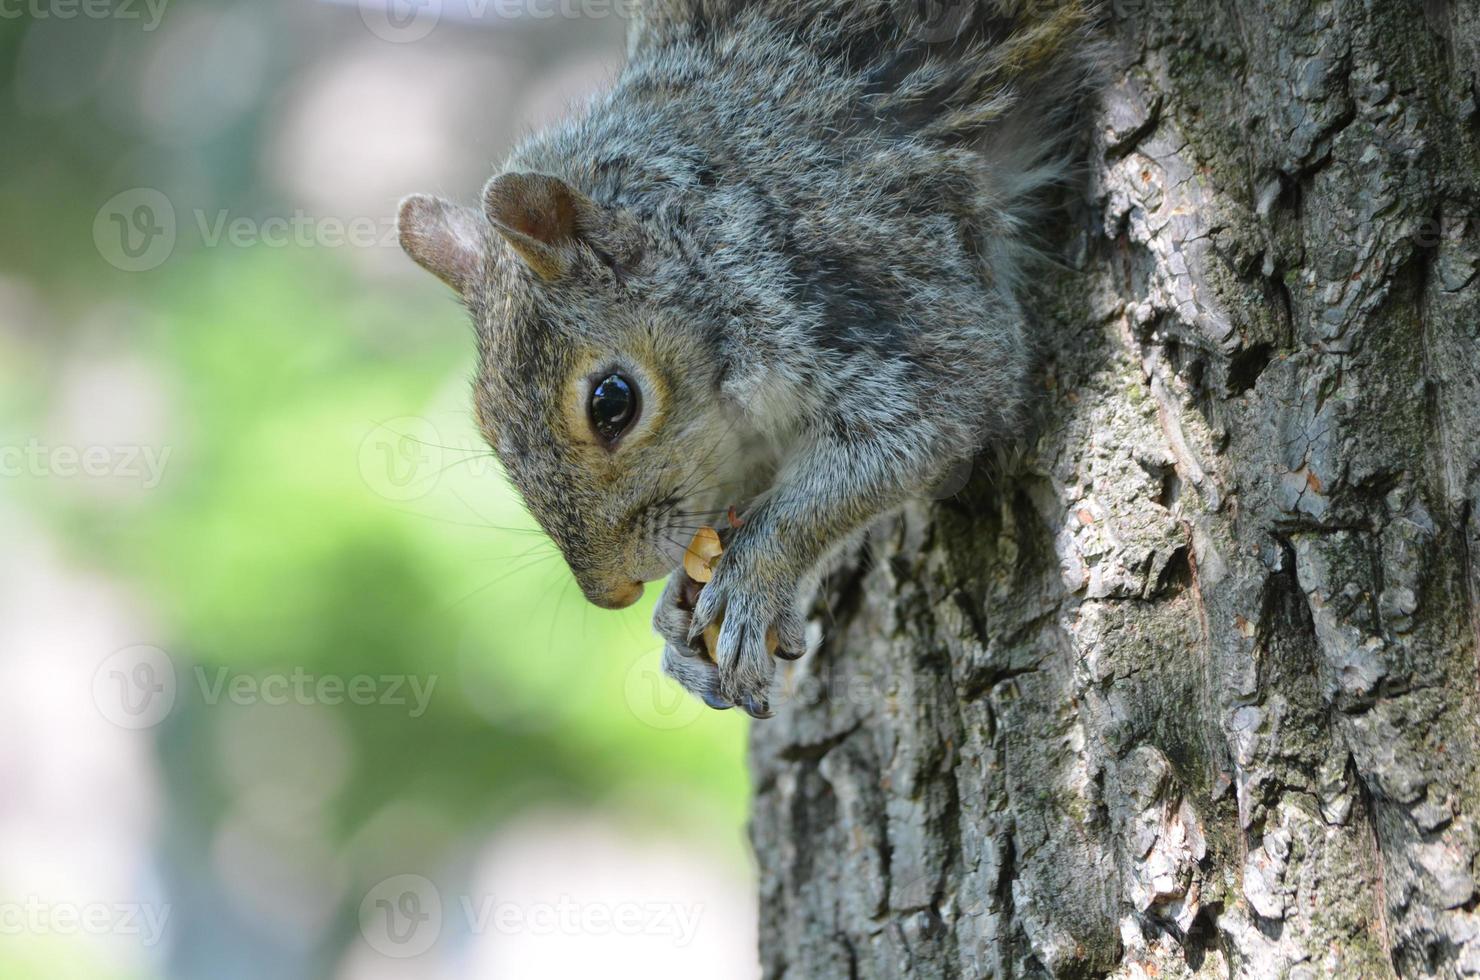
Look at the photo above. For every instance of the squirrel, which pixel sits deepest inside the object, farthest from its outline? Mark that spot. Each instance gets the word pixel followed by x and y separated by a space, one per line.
pixel 772 274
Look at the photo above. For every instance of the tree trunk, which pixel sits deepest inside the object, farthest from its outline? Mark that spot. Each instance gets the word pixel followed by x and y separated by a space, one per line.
pixel 1189 687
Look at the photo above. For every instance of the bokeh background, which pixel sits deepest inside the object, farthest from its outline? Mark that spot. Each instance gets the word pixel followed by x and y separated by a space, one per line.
pixel 289 685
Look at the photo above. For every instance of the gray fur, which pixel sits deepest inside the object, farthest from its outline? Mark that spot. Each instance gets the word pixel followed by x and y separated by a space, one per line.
pixel 810 227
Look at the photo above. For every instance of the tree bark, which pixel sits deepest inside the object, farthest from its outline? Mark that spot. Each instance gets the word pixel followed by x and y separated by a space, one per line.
pixel 1189 686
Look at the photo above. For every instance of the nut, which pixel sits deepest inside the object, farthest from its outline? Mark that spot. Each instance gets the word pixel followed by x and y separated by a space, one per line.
pixel 702 555
pixel 699 559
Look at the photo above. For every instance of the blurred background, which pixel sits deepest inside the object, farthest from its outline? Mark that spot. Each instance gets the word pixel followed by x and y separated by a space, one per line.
pixel 289 685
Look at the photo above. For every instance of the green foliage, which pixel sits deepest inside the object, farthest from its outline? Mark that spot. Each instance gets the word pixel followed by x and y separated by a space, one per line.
pixel 277 542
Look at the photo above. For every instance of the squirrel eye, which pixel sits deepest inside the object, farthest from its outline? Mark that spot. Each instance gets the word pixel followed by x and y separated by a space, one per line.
pixel 613 406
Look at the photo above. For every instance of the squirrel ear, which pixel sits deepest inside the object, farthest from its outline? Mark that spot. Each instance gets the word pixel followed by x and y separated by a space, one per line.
pixel 540 217
pixel 444 239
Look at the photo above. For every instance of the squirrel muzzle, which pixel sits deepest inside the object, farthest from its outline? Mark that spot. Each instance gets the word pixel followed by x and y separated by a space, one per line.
pixel 612 596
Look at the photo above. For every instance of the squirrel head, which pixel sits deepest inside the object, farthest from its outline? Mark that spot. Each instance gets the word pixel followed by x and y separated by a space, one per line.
pixel 597 386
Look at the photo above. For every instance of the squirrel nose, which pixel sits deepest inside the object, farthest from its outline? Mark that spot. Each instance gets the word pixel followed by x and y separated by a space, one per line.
pixel 619 597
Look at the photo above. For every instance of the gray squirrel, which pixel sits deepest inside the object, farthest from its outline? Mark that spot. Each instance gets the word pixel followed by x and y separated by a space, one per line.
pixel 768 282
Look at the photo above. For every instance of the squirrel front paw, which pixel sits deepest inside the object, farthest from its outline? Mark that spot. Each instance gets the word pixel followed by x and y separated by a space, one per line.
pixel 741 669
pixel 686 661
pixel 757 620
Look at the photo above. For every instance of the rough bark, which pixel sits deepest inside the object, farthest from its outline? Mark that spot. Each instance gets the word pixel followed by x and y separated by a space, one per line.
pixel 1188 688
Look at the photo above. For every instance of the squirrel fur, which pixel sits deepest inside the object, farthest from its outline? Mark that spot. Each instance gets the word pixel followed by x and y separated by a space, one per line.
pixel 796 230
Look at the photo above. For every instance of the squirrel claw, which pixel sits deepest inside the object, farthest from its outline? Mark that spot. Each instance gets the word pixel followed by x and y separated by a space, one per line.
pixel 756 708
pixel 713 699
